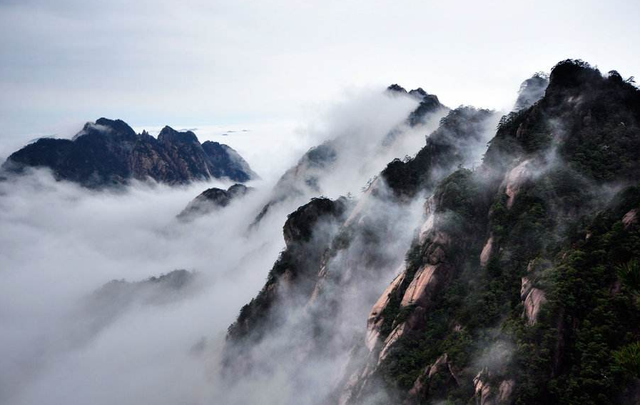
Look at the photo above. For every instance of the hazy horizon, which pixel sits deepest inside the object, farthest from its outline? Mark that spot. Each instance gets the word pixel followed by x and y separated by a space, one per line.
pixel 357 245
pixel 216 63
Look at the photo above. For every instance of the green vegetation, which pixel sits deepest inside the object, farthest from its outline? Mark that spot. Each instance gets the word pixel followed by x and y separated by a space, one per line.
pixel 628 358
pixel 561 234
pixel 587 323
pixel 583 347
pixel 629 274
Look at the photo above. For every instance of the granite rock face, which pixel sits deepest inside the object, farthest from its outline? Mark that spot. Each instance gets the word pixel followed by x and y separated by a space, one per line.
pixel 519 285
pixel 109 152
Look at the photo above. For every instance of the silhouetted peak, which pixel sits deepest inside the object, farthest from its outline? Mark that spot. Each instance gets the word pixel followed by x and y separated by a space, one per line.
pixel 213 144
pixel 300 224
pixel 572 73
pixel 429 103
pixel 531 90
pixel 169 134
pixel 116 125
pixel 397 89
pixel 419 93
pixel 105 126
pixel 212 199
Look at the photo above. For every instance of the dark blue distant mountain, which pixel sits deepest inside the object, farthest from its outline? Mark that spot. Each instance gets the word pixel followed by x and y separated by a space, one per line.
pixel 109 152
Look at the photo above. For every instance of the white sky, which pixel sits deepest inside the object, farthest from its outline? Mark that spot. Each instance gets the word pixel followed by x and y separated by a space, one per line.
pixel 207 62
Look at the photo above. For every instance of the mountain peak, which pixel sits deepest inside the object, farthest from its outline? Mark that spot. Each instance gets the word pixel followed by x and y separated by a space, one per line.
pixel 109 152
pixel 396 88
pixel 105 126
pixel 168 134
pixel 419 93
pixel 116 125
pixel 531 90
pixel 572 73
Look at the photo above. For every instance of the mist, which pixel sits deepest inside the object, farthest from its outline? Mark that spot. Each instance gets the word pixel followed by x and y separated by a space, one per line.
pixel 61 243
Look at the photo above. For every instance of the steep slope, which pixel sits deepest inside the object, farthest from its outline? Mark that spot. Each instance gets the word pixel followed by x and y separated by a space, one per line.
pixel 520 287
pixel 503 299
pixel 531 91
pixel 459 140
pixel 109 152
pixel 306 178
pixel 307 232
pixel 341 283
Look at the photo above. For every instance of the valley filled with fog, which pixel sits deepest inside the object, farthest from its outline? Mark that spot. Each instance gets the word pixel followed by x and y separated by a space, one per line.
pixel 61 243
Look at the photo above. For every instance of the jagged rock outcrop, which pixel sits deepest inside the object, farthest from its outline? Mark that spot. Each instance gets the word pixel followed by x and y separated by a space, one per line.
pixel 376 316
pixel 401 313
pixel 491 391
pixel 212 199
pixel 109 152
pixel 535 175
pixel 631 217
pixel 531 91
pixel 485 255
pixel 459 140
pixel 533 301
pixel 307 234
pixel 304 179
pixel 227 163
pixel 429 103
pixel 515 180
pixel 483 392
pixel 517 287
pixel 434 382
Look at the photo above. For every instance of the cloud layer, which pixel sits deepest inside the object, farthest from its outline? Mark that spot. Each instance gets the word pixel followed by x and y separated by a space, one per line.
pixel 60 243
pixel 212 62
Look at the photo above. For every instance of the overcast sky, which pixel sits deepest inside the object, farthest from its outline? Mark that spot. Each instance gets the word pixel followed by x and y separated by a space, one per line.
pixel 193 62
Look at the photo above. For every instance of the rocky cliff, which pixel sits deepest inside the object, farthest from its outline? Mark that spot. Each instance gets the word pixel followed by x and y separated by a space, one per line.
pixel 304 180
pixel 109 152
pixel 520 279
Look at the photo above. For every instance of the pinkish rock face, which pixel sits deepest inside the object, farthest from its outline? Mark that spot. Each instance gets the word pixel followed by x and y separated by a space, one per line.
pixel 505 390
pixel 486 251
pixel 514 181
pixel 526 287
pixel 532 304
pixel 441 369
pixel 482 389
pixel 375 321
pixel 630 218
pixel 441 362
pixel 426 227
pixel 419 286
pixel 437 256
pixel 391 339
pixel 429 222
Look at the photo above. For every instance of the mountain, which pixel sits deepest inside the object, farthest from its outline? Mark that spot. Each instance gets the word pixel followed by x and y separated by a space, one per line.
pixel 114 299
pixel 212 199
pixel 459 140
pixel 109 152
pixel 305 243
pixel 304 180
pixel 517 281
pixel 531 91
